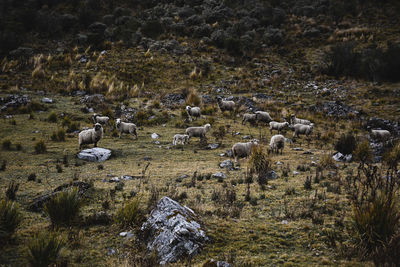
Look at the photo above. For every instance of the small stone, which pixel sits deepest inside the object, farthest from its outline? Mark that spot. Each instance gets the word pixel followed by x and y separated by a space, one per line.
pixel 297 149
pixel 228 164
pixel 114 180
pixel 219 175
pixel 147 158
pixel 246 137
pixel 155 136
pixel 126 177
pixel 123 234
pixel 183 176
pixel 295 172
pixel 308 152
pixel 156 142
pixel 279 163
pixel 313 163
pixel 110 252
pixel 272 175
pixel 213 146
pixel 284 222
pixel 47 100
pixel 342 158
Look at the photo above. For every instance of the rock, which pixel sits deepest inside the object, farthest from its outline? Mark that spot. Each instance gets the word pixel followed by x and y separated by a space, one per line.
pixel 173 99
pixel 228 153
pixel 228 164
pixel 214 263
pixel 297 149
pixel 127 177
pixel 335 109
pixel 156 142
pixel 284 222
pixel 279 163
pixel 38 203
pixel 147 159
pixel 308 152
pixel 272 175
pixel 155 136
pixel 95 154
pixel 273 36
pixel 342 158
pixel 295 172
pixel 114 180
pixel 173 231
pixel 110 251
pixel 14 101
pixel 311 32
pixel 93 100
pixel 47 100
pixel 246 137
pixel 213 146
pixel 219 175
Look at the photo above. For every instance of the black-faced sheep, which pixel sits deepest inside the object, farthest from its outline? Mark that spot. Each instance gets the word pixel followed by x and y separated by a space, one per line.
pixel 381 135
pixel 225 104
pixel 91 136
pixel 293 120
pixel 198 131
pixel 302 129
pixel 180 139
pixel 279 126
pixel 125 127
pixel 263 116
pixel 193 112
pixel 277 143
pixel 252 118
pixel 243 150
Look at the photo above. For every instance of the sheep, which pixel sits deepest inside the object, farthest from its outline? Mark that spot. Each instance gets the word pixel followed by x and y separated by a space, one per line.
pixel 125 127
pixel 381 135
pixel 225 105
pixel 198 131
pixel 293 120
pixel 181 139
pixel 193 112
pixel 100 119
pixel 277 143
pixel 279 126
pixel 91 136
pixel 263 116
pixel 243 150
pixel 302 129
pixel 252 118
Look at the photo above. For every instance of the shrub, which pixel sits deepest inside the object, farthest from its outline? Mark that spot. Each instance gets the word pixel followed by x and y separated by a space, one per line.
pixel 6 144
pixel 3 165
pixel 72 127
pixel 152 28
pixel 40 147
pixel 193 98
pixel 307 183
pixel 18 147
pixel 32 177
pixel 64 207
pixel 44 249
pixel 59 135
pixel 52 117
pixel 130 214
pixel 10 218
pixel 346 144
pixel 363 153
pixel 11 191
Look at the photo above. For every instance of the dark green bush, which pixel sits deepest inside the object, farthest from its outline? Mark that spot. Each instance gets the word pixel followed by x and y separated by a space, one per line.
pixel 11 190
pixel 346 144
pixel 6 144
pixel 130 214
pixel 40 147
pixel 10 218
pixel 52 117
pixel 44 249
pixel 59 135
pixel 152 28
pixel 64 207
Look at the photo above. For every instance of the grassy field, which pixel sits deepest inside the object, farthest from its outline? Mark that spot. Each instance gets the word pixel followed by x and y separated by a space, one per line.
pixel 281 224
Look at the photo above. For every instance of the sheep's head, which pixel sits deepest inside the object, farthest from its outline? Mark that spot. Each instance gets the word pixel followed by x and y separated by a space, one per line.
pixel 207 127
pixel 286 124
pixel 95 115
pixel 117 122
pixel 219 99
pixel 97 127
pixel 254 142
pixel 186 137
pixel 188 108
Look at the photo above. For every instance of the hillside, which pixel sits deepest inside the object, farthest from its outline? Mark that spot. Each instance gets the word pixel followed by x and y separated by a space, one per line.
pixel 334 63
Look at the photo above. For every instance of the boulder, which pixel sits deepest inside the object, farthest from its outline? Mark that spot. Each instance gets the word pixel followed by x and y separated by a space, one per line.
pixel 173 232
pixel 14 101
pixel 95 154
pixel 228 164
pixel 155 136
pixel 219 175
pixel 47 100
pixel 343 158
pixel 213 146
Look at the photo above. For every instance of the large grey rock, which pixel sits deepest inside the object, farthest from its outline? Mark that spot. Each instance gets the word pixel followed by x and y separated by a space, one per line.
pixel 344 158
pixel 173 231
pixel 219 175
pixel 95 154
pixel 228 164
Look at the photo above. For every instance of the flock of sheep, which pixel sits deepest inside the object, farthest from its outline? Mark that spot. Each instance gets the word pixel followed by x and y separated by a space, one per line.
pixel 239 150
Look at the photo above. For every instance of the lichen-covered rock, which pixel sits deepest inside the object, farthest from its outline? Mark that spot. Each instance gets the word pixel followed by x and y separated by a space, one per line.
pixel 172 230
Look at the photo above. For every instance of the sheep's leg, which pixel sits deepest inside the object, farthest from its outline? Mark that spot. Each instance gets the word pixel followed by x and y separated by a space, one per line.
pixel 95 144
pixel 120 135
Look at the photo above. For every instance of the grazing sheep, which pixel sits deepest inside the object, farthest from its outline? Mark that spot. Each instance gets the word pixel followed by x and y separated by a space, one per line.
pixel 181 139
pixel 293 120
pixel 125 127
pixel 198 131
pixel 225 105
pixel 252 118
pixel 302 129
pixel 263 116
pixel 381 135
pixel 243 150
pixel 279 126
pixel 277 143
pixel 101 119
pixel 91 136
pixel 193 112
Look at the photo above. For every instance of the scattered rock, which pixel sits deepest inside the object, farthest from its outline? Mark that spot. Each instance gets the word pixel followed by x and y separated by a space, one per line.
pixel 219 175
pixel 47 100
pixel 297 149
pixel 272 175
pixel 213 146
pixel 279 163
pixel 95 154
pixel 342 158
pixel 246 137
pixel 147 158
pixel 14 101
pixel 110 251
pixel 38 203
pixel 284 222
pixel 155 136
pixel 127 177
pixel 114 180
pixel 214 263
pixel 295 172
pixel 173 231
pixel 335 109
pixel 308 152
pixel 228 164
pixel 171 100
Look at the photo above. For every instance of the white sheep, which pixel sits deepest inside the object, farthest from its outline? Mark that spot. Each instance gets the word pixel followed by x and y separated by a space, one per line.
pixel 279 126
pixel 101 119
pixel 91 136
pixel 225 104
pixel 277 143
pixel 181 139
pixel 263 116
pixel 381 135
pixel 193 112
pixel 243 150
pixel 302 129
pixel 198 131
pixel 125 127
pixel 252 118
pixel 293 120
